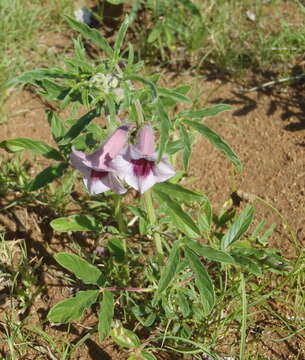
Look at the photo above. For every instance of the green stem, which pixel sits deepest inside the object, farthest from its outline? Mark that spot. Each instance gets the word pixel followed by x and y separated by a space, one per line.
pixel 152 220
pixel 118 213
pixel 244 318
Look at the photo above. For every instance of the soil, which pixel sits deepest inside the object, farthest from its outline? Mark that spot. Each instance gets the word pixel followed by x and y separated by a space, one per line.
pixel 266 128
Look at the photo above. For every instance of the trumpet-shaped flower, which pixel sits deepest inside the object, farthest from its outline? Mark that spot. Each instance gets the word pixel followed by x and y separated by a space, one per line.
pixel 138 164
pixel 99 175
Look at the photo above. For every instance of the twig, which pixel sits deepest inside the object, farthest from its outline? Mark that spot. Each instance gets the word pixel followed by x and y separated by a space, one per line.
pixel 271 83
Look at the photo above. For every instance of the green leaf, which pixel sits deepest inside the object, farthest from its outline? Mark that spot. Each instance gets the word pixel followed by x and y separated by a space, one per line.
pixel 178 192
pixel 150 84
pixel 174 95
pixel 73 308
pixel 105 315
pixel 78 127
pixel 239 227
pixel 90 34
pixel 36 147
pixel 205 217
pixel 120 38
pixel 179 217
pixel 187 147
pixel 204 113
pixel 124 337
pixel 191 6
pixel 209 252
pixel 47 175
pixel 164 130
pixel 216 140
pixel 203 281
pixel 53 90
pixel 173 147
pixel 170 269
pixel 116 2
pixel 76 223
pixel 56 125
pixel 117 247
pixel 86 272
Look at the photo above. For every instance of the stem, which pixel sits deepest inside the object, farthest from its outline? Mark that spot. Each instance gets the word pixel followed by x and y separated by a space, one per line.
pixel 118 213
pixel 139 113
pixel 244 318
pixel 152 220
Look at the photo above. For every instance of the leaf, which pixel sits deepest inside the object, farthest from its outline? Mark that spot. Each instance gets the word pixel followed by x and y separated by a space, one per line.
pixel 78 127
pixel 170 269
pixel 178 192
pixel 76 223
pixel 117 247
pixel 164 130
pixel 116 2
pixel 90 34
pixel 205 217
pixel 36 147
pixel 174 95
pixel 204 113
pixel 239 227
pixel 173 147
pixel 144 81
pixel 120 37
pixel 73 308
pixel 216 140
pixel 203 281
pixel 180 218
pixel 47 175
pixel 86 272
pixel 124 337
pixel 187 147
pixel 56 125
pixel 53 90
pixel 209 252
pixel 191 6
pixel 105 315
pixel 30 77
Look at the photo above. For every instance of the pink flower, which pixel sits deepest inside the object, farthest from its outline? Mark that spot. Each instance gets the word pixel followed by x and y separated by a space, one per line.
pixel 99 175
pixel 138 165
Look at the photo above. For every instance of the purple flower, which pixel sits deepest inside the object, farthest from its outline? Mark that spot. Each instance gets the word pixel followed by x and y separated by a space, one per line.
pixel 138 165
pixel 99 175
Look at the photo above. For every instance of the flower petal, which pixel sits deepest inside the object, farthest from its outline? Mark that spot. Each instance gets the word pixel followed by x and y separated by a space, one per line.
pixel 95 186
pixel 146 182
pixel 77 160
pixel 101 158
pixel 146 140
pixel 163 171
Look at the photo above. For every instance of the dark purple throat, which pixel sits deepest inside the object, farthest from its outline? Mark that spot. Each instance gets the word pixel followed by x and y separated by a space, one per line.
pixel 98 175
pixel 142 167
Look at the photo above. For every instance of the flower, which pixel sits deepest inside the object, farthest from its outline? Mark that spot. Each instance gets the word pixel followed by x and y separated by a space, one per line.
pixel 138 164
pixel 99 175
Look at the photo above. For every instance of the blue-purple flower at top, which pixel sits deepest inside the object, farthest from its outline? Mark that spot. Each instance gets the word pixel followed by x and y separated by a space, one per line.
pixel 99 175
pixel 138 164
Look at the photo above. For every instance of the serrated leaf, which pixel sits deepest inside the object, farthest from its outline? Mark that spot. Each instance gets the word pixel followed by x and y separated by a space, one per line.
pixel 239 227
pixel 216 140
pixel 187 147
pixel 124 337
pixel 86 272
pixel 170 269
pixel 178 192
pixel 204 113
pixel 90 34
pixel 178 216
pixel 203 281
pixel 209 252
pixel 56 125
pixel 105 315
pixel 73 308
pixel 76 223
pixel 36 147
pixel 46 176
pixel 78 127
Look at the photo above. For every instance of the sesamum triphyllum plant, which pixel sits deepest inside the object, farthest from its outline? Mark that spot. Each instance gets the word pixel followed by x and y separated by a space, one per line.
pixel 116 161
pixel 171 287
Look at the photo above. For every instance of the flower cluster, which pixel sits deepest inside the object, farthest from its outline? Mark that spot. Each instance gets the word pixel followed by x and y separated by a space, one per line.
pixel 106 83
pixel 115 161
